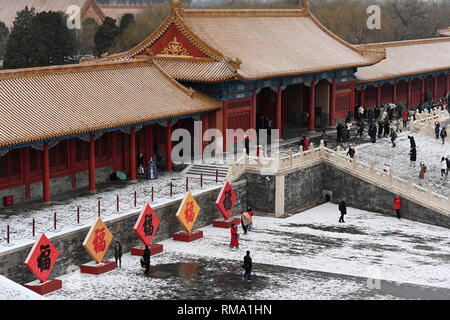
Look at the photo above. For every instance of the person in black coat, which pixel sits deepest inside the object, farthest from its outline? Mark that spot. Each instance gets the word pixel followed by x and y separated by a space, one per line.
pixel 380 129
pixel 248 267
pixel 373 132
pixel 412 142
pixel 386 128
pixel 413 156
pixel 343 210
pixel 246 144
pixel 339 130
pixel 145 261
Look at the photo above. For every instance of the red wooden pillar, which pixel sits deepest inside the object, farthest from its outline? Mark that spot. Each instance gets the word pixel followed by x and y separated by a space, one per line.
pixel 278 118
pixel 378 95
pixel 168 147
pixel 224 124
pixel 113 138
pixel 422 90
pixel 447 85
pixel 333 103
pixel 92 163
pixel 352 95
pixel 45 174
pixel 133 154
pixel 312 103
pixel 26 171
pixel 394 92
pixel 253 124
pixel 435 87
pixel 361 97
pixel 408 100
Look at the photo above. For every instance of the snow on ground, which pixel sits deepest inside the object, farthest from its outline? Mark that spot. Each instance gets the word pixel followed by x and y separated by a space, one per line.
pixel 305 256
pixel 20 217
pixel 429 151
pixel 10 290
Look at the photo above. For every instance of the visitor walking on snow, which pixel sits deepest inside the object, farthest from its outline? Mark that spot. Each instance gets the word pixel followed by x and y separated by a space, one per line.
pixel 412 142
pixel 250 214
pixel 443 135
pixel 145 261
pixel 247 267
pixel 393 137
pixel 405 118
pixel 234 237
pixel 447 160
pixel 397 205
pixel 343 210
pixel 443 167
pixel 423 169
pixel 413 156
pixel 380 129
pixel 339 130
pixel 351 151
pixel 437 126
pixel 245 220
pixel 118 253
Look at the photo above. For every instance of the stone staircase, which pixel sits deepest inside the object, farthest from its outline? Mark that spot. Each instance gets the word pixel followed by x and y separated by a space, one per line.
pixel 208 171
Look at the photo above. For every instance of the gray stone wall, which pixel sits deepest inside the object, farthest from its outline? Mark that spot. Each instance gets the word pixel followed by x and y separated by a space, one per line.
pixel 303 188
pixel 364 195
pixel 261 192
pixel 72 253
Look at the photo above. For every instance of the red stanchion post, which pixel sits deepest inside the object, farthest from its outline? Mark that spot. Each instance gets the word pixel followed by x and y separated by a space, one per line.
pixel 201 180
pixel 135 198
pixel 117 203
pixel 78 214
pixel 152 193
pixel 99 208
pixel 217 175
pixel 7 233
pixel 187 184
pixel 54 221
pixel 34 227
pixel 170 188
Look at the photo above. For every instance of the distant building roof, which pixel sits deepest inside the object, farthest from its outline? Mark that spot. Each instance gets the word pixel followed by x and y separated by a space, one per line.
pixel 406 58
pixel 254 44
pixel 444 32
pixel 59 101
pixel 116 12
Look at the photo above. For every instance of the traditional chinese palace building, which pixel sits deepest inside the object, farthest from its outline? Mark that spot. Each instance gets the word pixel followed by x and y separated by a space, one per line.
pixel 71 126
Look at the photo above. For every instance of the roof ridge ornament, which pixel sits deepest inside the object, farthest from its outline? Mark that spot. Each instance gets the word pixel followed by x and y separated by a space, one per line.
pixel 177 5
pixel 305 5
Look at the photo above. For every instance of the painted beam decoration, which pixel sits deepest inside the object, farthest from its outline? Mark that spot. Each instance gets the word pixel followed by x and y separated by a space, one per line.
pixel 42 258
pixel 146 225
pixel 226 200
pixel 188 212
pixel 97 240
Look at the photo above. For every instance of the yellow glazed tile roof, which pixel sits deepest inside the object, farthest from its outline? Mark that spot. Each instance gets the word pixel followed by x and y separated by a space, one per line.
pixel 52 102
pixel 404 58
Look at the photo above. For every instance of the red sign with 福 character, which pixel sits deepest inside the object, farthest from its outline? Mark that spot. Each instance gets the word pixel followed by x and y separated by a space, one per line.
pixel 226 200
pixel 42 258
pixel 146 225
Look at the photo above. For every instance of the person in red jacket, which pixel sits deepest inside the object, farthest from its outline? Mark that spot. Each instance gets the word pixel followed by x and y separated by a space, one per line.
pixel 234 237
pixel 397 205
pixel 405 118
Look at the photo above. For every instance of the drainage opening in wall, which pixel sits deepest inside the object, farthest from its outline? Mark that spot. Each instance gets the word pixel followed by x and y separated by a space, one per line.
pixel 327 195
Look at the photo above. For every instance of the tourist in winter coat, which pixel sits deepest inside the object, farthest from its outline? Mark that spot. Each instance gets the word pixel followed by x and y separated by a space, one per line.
pixel 234 237
pixel 145 261
pixel 437 126
pixel 373 132
pixel 405 118
pixel 413 157
pixel 118 253
pixel 386 128
pixel 339 130
pixel 397 205
pixel 324 137
pixel 447 160
pixel 140 163
pixel 250 214
pixel 380 129
pixel 412 142
pixel 443 167
pixel 245 220
pixel 443 135
pixel 343 210
pixel 346 134
pixel 423 169
pixel 393 137
pixel 351 151
pixel 306 144
pixel 247 267
pixel 360 127
pixel 246 145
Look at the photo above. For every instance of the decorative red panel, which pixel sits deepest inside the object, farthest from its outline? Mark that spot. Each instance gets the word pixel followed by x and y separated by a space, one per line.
pixel 226 200
pixel 146 225
pixel 42 258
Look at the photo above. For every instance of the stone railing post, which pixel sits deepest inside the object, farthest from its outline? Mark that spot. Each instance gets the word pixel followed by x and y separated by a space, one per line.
pixel 246 159
pixel 322 147
pixel 290 157
pixel 391 175
pixel 355 162
pixel 311 147
pixel 300 151
pixel 430 193
pixel 337 155
pixel 409 186
pixel 372 169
